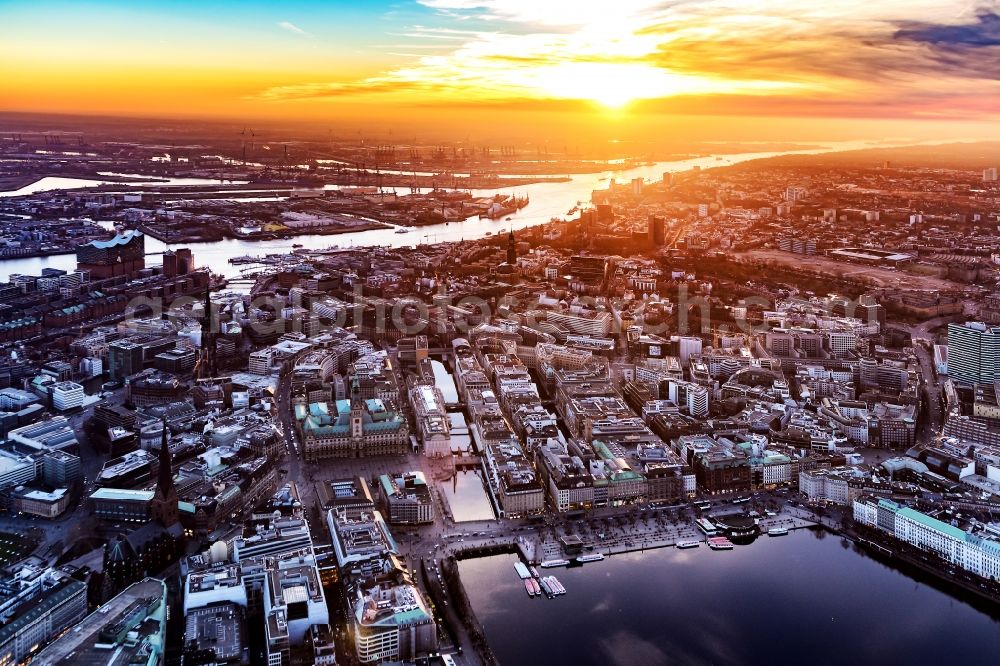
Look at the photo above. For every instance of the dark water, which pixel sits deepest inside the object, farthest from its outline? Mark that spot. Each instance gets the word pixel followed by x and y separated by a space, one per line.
pixel 794 599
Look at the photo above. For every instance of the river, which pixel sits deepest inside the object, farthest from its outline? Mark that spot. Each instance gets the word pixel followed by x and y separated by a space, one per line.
pixel 795 599
pixel 548 200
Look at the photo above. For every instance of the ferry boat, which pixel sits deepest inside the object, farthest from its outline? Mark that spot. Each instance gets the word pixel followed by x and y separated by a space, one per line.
pixel 529 586
pixel 688 544
pixel 595 557
pixel 522 570
pixel 557 587
pixel 720 543
pixel 544 583
pixel 777 531
pixel 549 564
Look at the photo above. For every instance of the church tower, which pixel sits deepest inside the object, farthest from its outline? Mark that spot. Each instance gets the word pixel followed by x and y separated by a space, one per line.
pixel 511 249
pixel 164 505
pixel 206 361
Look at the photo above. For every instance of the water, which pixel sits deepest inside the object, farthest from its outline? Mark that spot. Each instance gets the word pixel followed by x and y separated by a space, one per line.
pixel 467 497
pixel 794 599
pixel 548 200
pixel 60 183
pixel 444 381
pixel 461 440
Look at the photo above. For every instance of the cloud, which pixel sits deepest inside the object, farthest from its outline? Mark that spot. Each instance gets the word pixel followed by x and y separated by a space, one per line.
pixel 291 27
pixel 984 32
pixel 857 57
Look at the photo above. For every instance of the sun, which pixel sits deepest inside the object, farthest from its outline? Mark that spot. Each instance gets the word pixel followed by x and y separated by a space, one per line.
pixel 612 98
pixel 609 84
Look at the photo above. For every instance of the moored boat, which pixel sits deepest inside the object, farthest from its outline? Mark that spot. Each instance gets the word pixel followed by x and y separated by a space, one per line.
pixel 720 543
pixel 528 587
pixel 522 570
pixel 777 531
pixel 688 544
pixel 548 564
pixel 594 557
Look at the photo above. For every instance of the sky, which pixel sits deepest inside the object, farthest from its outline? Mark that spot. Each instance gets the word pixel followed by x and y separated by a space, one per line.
pixel 767 68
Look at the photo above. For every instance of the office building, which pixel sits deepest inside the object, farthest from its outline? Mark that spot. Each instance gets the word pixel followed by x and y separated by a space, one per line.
pixel 393 623
pixel 974 353
pixel 125 358
pixel 66 396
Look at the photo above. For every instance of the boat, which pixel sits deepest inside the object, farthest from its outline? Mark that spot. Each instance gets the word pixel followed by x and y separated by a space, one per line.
pixel 777 531
pixel 549 564
pixel 595 557
pixel 534 586
pixel 544 583
pixel 522 570
pixel 720 543
pixel 297 245
pixel 402 230
pixel 557 587
pixel 534 571
pixel 688 544
pixel 528 587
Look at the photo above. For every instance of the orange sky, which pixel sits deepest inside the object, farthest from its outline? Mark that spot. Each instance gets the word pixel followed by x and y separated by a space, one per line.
pixel 925 66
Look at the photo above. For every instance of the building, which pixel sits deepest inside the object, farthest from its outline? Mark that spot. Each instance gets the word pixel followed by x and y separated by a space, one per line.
pixel 66 396
pixel 125 358
pixel 393 623
pixel 131 626
pixel 974 353
pixel 351 497
pixel 216 634
pixel 432 420
pixel 125 254
pixel 364 546
pixel 407 499
pixel 54 433
pixel 121 505
pixel 15 469
pixel 39 611
pixel 975 553
pixel 831 485
pixel 355 429
pixel 41 503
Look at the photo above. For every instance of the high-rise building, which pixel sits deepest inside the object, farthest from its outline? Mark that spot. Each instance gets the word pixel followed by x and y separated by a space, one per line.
pixel 125 358
pixel 990 175
pixel 656 230
pixel 974 353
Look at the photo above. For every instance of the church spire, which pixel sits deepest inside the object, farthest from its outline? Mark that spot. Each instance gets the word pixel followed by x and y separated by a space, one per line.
pixel 511 248
pixel 164 504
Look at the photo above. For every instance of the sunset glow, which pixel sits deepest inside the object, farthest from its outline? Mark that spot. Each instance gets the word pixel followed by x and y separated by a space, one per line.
pixel 926 59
